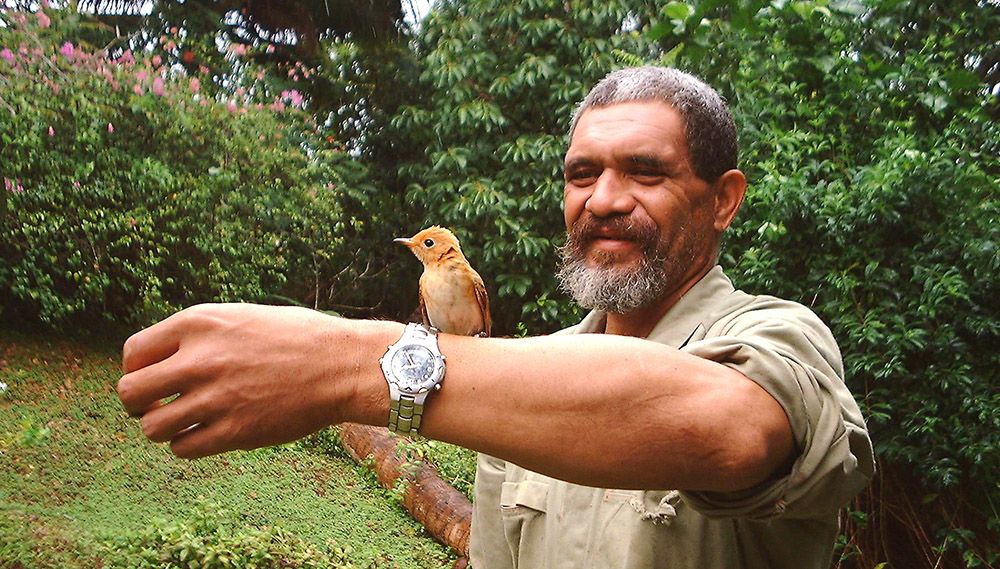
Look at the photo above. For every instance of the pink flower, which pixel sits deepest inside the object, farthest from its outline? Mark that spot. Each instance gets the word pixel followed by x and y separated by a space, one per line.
pixel 14 186
pixel 278 106
pixel 269 49
pixel 43 20
pixel 111 128
pixel 195 85
pixel 293 96
pixel 67 49
pixel 170 45
pixel 157 60
pixel 137 89
pixel 127 58
pixel 141 75
pixel 231 107
pixel 7 55
pixel 158 86
pixel 52 131
pixel 76 184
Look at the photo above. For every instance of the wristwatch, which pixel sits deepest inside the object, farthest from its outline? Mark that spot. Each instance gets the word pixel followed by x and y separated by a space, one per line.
pixel 413 367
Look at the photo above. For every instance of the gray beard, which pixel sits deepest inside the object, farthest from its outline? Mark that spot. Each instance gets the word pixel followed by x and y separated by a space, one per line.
pixel 608 288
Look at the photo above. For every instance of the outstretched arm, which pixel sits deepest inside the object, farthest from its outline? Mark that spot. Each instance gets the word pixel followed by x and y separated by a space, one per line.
pixel 599 410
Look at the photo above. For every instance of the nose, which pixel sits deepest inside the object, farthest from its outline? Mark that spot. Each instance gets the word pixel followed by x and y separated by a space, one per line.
pixel 610 196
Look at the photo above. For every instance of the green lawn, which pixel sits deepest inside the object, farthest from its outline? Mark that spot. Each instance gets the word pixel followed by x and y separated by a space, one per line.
pixel 76 475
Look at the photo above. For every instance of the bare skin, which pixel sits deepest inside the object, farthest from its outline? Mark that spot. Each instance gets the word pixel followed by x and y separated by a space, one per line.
pixel 650 415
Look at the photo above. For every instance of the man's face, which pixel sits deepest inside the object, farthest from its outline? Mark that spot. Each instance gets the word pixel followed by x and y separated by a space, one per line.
pixel 637 215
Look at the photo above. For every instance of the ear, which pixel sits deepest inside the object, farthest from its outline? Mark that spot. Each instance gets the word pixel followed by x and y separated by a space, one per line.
pixel 729 191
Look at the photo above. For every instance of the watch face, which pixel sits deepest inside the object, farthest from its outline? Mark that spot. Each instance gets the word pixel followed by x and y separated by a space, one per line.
pixel 413 366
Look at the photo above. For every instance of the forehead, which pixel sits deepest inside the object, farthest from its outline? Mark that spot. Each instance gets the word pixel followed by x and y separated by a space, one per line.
pixel 648 128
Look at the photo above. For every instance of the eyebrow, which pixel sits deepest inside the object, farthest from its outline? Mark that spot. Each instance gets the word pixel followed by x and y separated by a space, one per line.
pixel 644 160
pixel 648 161
pixel 634 161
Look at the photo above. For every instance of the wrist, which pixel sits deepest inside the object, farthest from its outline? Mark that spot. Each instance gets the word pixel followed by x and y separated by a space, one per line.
pixel 367 394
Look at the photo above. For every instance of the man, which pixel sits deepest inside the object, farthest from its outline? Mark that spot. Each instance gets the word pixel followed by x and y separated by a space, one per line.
pixel 681 424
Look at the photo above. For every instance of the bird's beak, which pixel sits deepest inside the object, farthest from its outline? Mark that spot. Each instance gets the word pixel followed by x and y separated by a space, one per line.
pixel 403 241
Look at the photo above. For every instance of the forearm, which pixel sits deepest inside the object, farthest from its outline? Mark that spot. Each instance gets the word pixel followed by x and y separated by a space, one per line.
pixel 599 410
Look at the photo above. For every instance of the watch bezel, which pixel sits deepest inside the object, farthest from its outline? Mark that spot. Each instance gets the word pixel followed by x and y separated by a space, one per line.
pixel 426 385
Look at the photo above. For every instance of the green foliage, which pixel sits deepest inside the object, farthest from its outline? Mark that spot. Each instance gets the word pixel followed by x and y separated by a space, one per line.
pixel 93 480
pixel 456 465
pixel 208 540
pixel 873 166
pixel 498 85
pixel 130 193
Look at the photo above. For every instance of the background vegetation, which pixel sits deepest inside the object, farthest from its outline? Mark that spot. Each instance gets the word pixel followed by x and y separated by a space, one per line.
pixel 868 131
pixel 81 488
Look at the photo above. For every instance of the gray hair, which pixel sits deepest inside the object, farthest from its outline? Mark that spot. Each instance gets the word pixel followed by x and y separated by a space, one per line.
pixel 708 125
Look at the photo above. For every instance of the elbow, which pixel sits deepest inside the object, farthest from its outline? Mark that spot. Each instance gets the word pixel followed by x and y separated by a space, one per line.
pixel 757 442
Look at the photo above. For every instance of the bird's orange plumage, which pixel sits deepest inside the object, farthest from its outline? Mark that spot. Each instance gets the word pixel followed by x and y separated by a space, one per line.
pixel 452 295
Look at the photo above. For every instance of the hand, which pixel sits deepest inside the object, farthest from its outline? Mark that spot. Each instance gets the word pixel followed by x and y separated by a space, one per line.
pixel 245 376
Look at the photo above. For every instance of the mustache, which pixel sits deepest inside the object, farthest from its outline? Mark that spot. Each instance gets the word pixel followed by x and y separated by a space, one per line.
pixel 588 228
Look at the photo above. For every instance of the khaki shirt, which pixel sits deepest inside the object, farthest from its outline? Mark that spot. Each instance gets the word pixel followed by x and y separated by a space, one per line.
pixel 523 519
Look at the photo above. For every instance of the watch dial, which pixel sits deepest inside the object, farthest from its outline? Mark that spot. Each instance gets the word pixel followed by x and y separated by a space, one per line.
pixel 412 366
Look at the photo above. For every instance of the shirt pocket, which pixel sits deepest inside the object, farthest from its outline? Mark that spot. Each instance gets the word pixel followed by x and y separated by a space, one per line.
pixel 523 505
pixel 632 526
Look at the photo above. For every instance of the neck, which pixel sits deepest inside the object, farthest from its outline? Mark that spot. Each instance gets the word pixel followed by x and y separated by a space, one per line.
pixel 452 254
pixel 641 321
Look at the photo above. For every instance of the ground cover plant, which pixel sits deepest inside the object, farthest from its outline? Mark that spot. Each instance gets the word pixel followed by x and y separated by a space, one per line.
pixel 80 486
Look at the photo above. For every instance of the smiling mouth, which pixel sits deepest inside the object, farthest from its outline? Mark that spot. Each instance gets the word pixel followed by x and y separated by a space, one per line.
pixel 612 243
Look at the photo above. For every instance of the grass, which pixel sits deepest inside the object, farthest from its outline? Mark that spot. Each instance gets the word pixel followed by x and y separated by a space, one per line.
pixel 76 474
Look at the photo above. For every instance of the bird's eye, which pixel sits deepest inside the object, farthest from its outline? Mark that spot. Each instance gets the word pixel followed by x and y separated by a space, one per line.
pixel 428 243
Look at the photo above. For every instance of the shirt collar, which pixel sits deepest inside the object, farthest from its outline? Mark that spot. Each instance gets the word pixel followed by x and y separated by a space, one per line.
pixel 683 318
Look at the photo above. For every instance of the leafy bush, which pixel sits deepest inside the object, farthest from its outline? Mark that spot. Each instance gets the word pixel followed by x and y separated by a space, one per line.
pixel 499 83
pixel 130 193
pixel 210 540
pixel 869 136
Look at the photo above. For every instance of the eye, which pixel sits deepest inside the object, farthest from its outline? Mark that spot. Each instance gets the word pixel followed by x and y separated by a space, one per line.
pixel 648 178
pixel 428 243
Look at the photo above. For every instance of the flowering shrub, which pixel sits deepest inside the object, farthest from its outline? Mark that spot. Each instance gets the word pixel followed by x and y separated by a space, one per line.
pixel 128 191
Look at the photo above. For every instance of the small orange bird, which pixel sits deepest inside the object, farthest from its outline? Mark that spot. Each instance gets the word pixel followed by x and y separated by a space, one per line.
pixel 452 295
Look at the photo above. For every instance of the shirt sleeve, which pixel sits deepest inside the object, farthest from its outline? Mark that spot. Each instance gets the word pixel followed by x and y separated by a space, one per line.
pixel 787 350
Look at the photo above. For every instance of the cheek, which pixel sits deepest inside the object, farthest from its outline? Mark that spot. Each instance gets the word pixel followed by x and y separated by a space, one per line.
pixel 663 213
pixel 574 201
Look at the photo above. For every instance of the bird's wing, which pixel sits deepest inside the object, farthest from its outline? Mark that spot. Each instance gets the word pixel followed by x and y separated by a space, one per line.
pixel 484 303
pixel 426 320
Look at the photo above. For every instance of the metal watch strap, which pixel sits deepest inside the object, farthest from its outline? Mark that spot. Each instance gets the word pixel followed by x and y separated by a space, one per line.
pixel 404 415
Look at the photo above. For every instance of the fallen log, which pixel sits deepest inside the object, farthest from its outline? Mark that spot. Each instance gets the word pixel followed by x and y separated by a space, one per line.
pixel 445 512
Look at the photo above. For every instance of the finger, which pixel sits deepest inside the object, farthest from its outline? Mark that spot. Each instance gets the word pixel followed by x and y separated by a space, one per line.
pixel 201 440
pixel 165 422
pixel 156 343
pixel 141 390
pixel 153 405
